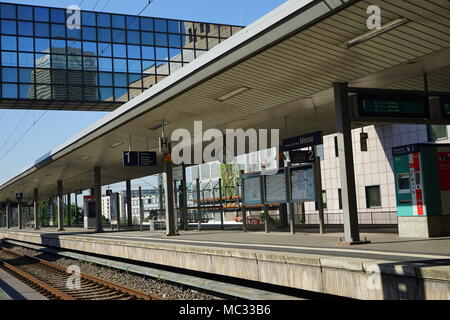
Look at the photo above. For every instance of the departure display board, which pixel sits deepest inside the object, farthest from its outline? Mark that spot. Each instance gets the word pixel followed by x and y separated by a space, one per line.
pixel 302 183
pixel 275 188
pixel 252 189
pixel 445 104
pixel 393 105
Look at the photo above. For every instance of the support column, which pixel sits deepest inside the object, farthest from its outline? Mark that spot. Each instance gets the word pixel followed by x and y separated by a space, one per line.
pixel 19 215
pixel 141 210
pixel 129 209
pixel 318 177
pixel 199 205
pixel 37 224
pixel 346 164
pixel 98 199
pixel 69 210
pixel 76 208
pixel 289 205
pixel 243 209
pixel 170 210
pixel 8 214
pixel 221 205
pixel 185 225
pixel 60 206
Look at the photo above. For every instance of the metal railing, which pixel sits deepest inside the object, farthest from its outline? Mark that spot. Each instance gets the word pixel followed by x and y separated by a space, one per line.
pixel 370 218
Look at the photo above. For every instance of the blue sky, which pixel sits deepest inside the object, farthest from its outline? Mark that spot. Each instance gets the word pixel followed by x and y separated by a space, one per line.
pixel 56 127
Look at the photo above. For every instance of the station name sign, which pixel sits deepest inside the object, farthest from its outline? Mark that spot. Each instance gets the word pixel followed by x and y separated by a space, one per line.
pixel 305 141
pixel 400 151
pixel 139 159
pixel 397 105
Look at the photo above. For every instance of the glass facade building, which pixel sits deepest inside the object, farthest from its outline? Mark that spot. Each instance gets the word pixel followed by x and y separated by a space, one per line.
pixel 98 64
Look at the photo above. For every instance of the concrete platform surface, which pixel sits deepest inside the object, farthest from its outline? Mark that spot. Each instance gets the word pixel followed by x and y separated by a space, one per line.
pixel 388 268
pixel 13 289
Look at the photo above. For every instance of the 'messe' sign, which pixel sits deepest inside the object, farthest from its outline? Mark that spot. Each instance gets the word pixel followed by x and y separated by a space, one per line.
pixel 308 140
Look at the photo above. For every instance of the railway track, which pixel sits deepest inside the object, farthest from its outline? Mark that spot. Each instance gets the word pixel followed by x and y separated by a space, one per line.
pixel 51 280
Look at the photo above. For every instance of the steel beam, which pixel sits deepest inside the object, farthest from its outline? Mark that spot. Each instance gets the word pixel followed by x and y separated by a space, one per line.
pixel 98 199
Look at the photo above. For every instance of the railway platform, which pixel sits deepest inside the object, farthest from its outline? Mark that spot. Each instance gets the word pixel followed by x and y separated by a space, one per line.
pixel 13 289
pixel 388 268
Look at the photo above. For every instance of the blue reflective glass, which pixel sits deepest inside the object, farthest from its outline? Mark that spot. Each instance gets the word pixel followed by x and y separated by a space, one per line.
pixel 106 94
pixel 8 11
pixel 42 61
pixel 25 28
pixel 58 46
pixel 161 40
pixel 174 26
pixel 25 13
pixel 174 41
pixel 9 43
pixel 175 55
pixel 148 66
pixel 58 31
pixel 26 44
pixel 105 64
pixel 90 48
pixel 25 92
pixel 160 25
pixel 118 21
pixel 74 34
pixel 121 94
pixel 147 24
pixel 135 80
pixel 134 65
pixel 89 34
pixel 134 52
pixel 104 49
pixel 9 91
pixel 103 20
pixel 9 27
pixel 9 59
pixel 148 38
pixel 162 54
pixel 41 14
pixel 74 63
pixel 120 65
pixel 60 61
pixel 105 79
pixel 120 80
pixel 58 15
pixel 132 23
pixel 26 75
pixel 9 74
pixel 120 51
pixel 133 37
pixel 42 29
pixel 148 53
pixel 42 45
pixel 118 36
pixel 75 77
pixel 90 63
pixel 74 47
pixel 104 34
pixel 26 60
pixel 88 19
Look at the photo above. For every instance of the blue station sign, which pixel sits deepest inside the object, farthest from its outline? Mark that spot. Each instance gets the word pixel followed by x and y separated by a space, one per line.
pixel 305 141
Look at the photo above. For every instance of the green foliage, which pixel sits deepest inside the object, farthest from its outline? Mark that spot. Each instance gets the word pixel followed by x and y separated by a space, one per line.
pixel 230 179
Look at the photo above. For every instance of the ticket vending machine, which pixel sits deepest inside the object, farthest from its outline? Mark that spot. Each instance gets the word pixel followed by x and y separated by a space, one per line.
pixel 422 182
pixel 89 212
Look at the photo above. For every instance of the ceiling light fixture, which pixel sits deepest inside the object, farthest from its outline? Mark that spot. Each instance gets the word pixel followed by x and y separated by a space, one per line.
pixel 159 125
pixel 376 32
pixel 84 158
pixel 233 94
pixel 115 145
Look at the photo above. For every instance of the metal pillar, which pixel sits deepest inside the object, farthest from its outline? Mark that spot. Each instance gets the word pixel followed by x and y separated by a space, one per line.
pixel 221 205
pixel 318 176
pixel 98 199
pixel 289 205
pixel 184 212
pixel 60 206
pixel 8 214
pixel 161 197
pixel 19 215
pixel 141 211
pixel 35 210
pixel 346 165
pixel 69 210
pixel 170 210
pixel 129 209
pixel 76 207
pixel 199 206
pixel 244 209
